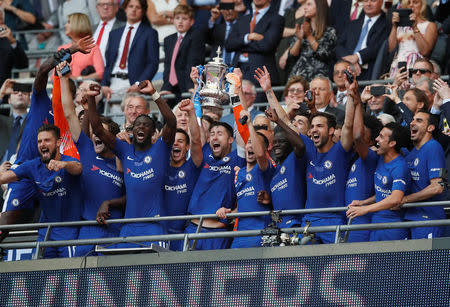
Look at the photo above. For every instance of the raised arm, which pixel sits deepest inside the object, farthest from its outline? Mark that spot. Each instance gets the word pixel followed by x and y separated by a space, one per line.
pixel 347 128
pixel 107 137
pixel 361 147
pixel 292 136
pixel 170 127
pixel 67 104
pixel 263 77
pixel 6 175
pixel 196 143
pixel 258 148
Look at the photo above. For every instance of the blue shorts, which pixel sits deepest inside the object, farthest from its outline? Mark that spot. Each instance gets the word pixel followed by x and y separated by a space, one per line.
pixel 20 195
pixel 140 229
pixel 93 232
pixel 360 235
pixel 208 244
pixel 388 234
pixel 426 232
pixel 290 221
pixel 57 234
pixel 324 237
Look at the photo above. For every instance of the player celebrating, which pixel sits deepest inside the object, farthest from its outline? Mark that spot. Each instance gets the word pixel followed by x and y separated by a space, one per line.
pixel 426 162
pixel 56 177
pixel 392 181
pixel 144 164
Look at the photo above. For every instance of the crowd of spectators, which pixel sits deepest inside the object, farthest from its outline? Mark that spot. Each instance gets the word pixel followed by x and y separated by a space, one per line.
pixel 372 148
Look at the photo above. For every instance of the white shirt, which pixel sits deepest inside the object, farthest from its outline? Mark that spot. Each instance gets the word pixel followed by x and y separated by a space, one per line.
pixel 116 68
pixel 105 36
pixel 260 15
pixel 344 99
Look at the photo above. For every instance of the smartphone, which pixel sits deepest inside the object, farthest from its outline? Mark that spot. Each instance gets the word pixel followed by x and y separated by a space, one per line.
pixel 400 65
pixel 226 6
pixel 377 90
pixel 66 69
pixel 309 95
pixel 349 76
pixel 22 87
pixel 404 17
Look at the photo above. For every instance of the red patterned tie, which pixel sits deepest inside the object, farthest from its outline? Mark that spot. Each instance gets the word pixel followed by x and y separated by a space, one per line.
pixel 173 80
pixel 99 39
pixel 252 27
pixel 123 59
pixel 355 11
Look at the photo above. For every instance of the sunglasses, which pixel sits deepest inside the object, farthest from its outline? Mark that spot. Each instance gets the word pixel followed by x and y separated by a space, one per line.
pixel 295 91
pixel 261 127
pixel 421 70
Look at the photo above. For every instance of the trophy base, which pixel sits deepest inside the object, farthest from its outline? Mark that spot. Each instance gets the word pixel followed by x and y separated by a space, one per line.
pixel 212 102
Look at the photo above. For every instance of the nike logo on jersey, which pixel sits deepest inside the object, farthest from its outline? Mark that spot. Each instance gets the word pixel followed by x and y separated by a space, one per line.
pixel 129 158
pixel 99 158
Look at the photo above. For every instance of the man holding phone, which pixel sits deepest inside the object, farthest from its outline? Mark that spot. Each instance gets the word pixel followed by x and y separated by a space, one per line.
pixel 11 127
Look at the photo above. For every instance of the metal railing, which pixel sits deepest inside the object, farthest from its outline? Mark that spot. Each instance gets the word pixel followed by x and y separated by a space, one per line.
pixel 187 237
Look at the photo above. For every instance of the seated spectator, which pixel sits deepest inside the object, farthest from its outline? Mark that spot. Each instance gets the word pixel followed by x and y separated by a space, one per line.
pixel 84 66
pixel 219 28
pixel 375 102
pixel 362 39
pixel 182 50
pixel 13 55
pixel 413 42
pixel 292 17
pixel 314 42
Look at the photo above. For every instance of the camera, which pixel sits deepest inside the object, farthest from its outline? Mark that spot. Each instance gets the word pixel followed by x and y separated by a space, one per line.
pixel 349 76
pixel 309 95
pixel 61 56
pixel 404 17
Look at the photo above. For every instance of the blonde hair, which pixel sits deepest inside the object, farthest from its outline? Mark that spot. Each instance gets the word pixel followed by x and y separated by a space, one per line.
pixel 423 8
pixel 80 25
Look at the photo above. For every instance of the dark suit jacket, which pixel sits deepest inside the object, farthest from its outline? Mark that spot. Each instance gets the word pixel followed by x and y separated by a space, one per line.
pixel 259 52
pixel 143 57
pixel 348 40
pixel 215 37
pixel 6 123
pixel 10 58
pixel 339 16
pixel 117 24
pixel 191 53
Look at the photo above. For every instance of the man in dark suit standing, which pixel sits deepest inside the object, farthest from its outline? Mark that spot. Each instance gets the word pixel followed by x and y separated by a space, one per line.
pixel 132 54
pixel 182 50
pixel 11 127
pixel 323 91
pixel 362 39
pixel 254 38
pixel 107 10
pixel 223 17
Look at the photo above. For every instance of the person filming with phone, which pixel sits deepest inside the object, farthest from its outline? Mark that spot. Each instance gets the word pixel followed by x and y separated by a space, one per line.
pixel 414 35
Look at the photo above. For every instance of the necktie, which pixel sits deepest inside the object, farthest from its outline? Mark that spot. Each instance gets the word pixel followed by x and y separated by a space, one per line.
pixel 364 31
pixel 173 80
pixel 14 138
pixel 340 98
pixel 226 54
pixel 355 12
pixel 252 27
pixel 99 39
pixel 123 59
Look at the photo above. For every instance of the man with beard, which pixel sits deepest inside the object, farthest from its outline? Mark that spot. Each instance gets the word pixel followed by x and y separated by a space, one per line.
pixel 215 185
pixel 56 177
pixel 144 164
pixel 392 181
pixel 101 181
pixel 250 182
pixel 182 173
pixel 426 162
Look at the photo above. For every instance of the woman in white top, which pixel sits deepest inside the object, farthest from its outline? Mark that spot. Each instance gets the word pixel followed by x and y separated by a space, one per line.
pixel 413 42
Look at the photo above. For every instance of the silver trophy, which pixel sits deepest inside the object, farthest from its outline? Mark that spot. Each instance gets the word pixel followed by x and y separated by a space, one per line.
pixel 213 91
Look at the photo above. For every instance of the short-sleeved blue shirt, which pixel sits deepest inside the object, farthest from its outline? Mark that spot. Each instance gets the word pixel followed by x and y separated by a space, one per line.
pixel 360 180
pixel 144 174
pixel 100 180
pixel 425 164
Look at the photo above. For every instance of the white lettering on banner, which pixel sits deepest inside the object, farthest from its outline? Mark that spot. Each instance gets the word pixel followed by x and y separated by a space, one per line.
pixel 98 291
pixel 133 286
pixel 279 185
pixel 302 293
pixel 51 285
pixel 246 190
pixel 195 283
pixel 331 272
pixel 71 289
pixel 219 297
pixel 19 293
pixel 159 294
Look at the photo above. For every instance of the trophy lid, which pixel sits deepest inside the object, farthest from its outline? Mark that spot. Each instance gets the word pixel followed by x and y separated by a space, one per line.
pixel 218 59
